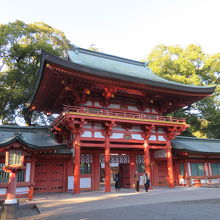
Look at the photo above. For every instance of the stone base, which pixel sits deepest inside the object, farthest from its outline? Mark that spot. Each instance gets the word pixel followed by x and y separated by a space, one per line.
pixel 14 211
pixel 8 211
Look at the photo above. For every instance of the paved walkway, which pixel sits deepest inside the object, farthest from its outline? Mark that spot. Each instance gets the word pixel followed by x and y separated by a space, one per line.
pixel 64 205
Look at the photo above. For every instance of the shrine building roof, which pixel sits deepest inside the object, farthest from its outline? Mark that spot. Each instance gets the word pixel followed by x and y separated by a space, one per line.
pixel 33 137
pixel 126 69
pixel 85 68
pixel 196 145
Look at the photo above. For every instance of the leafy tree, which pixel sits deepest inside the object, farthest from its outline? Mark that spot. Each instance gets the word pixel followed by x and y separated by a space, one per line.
pixel 191 65
pixel 20 49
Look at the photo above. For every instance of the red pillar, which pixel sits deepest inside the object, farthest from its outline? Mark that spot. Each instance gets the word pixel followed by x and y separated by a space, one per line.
pixel 107 164
pixel 132 158
pixel 95 171
pixel 186 171
pixel 147 158
pixel 170 166
pixel 31 188
pixel 77 164
pixel 11 192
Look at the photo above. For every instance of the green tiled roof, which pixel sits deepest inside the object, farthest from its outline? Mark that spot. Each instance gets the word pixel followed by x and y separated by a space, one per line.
pixel 33 137
pixel 126 69
pixel 200 145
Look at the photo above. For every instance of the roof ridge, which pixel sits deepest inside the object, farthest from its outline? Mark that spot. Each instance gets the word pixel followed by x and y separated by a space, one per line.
pixel 195 138
pixel 109 56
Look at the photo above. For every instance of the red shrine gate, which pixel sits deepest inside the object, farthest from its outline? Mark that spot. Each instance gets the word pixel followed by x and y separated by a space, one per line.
pixel 111 105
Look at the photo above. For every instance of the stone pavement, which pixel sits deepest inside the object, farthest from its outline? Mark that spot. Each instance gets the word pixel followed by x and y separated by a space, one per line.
pixel 98 204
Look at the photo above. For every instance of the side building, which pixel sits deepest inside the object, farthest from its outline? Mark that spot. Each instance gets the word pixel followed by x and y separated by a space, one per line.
pixel 112 118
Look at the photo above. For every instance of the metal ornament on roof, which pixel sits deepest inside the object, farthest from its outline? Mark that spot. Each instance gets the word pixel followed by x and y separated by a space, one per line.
pixel 86 158
pixel 116 159
pixel 140 159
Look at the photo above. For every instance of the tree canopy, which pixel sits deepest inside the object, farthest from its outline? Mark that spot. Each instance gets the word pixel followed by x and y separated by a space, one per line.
pixel 191 65
pixel 20 49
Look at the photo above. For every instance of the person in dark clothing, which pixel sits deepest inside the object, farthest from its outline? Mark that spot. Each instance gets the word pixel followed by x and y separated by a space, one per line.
pixel 137 181
pixel 117 181
pixel 146 181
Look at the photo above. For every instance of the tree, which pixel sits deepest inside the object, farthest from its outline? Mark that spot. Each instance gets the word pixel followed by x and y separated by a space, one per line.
pixel 191 66
pixel 20 49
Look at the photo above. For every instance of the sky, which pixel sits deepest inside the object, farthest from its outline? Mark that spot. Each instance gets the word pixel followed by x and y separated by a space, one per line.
pixel 126 28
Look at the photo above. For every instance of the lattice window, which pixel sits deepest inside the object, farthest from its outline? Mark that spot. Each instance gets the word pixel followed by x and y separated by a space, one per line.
pixel 85 168
pixel 116 158
pixel 197 169
pixel 5 176
pixel 215 168
pixel 86 158
pixel 140 159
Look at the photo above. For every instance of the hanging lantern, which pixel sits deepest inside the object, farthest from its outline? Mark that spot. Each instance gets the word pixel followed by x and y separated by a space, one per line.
pixel 14 158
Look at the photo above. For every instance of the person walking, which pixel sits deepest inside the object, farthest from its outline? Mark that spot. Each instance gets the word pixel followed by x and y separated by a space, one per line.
pixel 137 181
pixel 117 181
pixel 146 181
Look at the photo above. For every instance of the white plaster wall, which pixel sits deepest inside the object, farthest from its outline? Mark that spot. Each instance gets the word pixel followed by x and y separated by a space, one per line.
pixel 161 138
pixel 137 137
pixel 98 134
pixel 132 108
pixel 85 182
pixel 88 103
pixel 117 135
pixel 147 110
pixel 118 128
pixel 98 126
pixel 22 190
pixel 2 191
pixel 153 138
pixel 114 106
pixel 204 181
pixel 160 130
pixel 214 180
pixel 136 129
pixel 154 110
pixel 70 182
pixel 28 172
pixel 97 104
pixel 87 134
pixel 88 125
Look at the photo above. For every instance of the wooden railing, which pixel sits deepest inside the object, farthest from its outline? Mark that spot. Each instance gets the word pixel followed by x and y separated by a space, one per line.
pixel 120 114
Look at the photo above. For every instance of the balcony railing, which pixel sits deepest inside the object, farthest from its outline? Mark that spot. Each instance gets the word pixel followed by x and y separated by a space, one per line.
pixel 120 114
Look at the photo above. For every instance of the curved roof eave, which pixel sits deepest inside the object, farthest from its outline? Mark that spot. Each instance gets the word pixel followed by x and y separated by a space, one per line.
pixel 46 57
pixel 16 139
pixel 196 145
pixel 19 139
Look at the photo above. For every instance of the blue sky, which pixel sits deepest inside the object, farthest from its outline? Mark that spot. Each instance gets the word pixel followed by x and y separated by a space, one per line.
pixel 127 28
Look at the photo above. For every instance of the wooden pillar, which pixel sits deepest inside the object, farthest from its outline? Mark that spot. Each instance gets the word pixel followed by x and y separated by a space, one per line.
pixel 31 188
pixel 107 133
pixel 11 191
pixel 76 127
pixel 132 158
pixel 147 158
pixel 170 165
pixel 77 164
pixel 186 171
pixel 107 165
pixel 95 171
